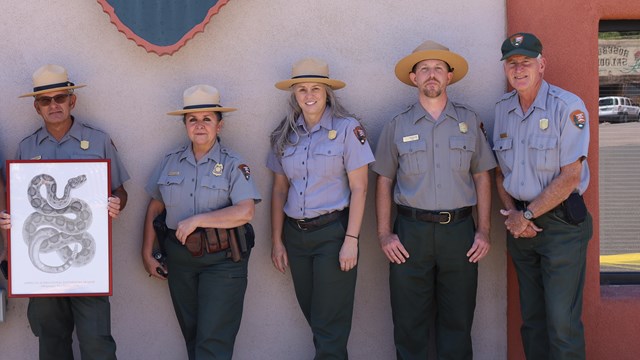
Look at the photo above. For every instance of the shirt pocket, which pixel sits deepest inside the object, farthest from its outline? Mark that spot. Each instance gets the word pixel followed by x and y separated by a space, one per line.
pixel 412 157
pixel 215 192
pixel 291 161
pixel 503 149
pixel 170 187
pixel 461 150
pixel 544 152
pixel 329 159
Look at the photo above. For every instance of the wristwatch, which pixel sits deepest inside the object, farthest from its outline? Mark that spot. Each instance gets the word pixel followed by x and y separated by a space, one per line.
pixel 527 214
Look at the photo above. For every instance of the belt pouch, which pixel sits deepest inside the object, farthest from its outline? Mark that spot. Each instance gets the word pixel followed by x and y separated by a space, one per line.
pixel 234 246
pixel 195 242
pixel 574 209
pixel 216 239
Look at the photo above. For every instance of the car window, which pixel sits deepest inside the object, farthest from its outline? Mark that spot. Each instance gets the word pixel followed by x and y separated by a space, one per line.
pixel 605 102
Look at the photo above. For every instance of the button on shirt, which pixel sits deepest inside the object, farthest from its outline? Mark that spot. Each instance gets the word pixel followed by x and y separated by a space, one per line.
pixel 531 148
pixel 317 165
pixel 42 146
pixel 186 187
pixel 433 161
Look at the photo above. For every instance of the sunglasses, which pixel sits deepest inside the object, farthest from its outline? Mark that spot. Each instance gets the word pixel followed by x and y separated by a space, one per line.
pixel 46 100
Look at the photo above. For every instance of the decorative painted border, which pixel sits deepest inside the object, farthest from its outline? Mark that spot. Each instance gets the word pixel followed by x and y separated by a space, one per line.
pixel 159 50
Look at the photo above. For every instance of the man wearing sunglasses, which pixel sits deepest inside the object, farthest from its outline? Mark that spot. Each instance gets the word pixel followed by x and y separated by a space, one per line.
pixel 53 319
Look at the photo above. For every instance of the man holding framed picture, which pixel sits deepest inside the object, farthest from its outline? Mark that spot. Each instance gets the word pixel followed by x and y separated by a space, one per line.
pixel 63 137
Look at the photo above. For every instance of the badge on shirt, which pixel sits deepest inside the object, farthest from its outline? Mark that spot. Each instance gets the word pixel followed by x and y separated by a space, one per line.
pixel 503 135
pixel 173 173
pixel 217 170
pixel 544 124
pixel 244 169
pixel 360 134
pixel 579 119
pixel 332 134
pixel 39 157
pixel 463 127
pixel 84 144
pixel 410 138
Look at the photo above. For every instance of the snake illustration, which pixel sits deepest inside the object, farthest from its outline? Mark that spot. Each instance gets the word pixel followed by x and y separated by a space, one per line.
pixel 48 229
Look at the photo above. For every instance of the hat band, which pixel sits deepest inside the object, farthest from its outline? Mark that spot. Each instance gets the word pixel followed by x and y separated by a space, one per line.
pixel 310 76
pixel 53 86
pixel 200 106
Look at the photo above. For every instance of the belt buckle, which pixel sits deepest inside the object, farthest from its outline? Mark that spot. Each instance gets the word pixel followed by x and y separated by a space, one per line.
pixel 301 224
pixel 448 219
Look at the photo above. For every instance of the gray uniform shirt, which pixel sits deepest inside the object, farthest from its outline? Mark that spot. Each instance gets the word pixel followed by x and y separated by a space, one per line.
pixel 317 165
pixel 531 148
pixel 186 187
pixel 42 146
pixel 433 161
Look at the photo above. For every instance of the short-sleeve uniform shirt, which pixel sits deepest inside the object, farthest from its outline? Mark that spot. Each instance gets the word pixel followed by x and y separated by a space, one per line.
pixel 531 148
pixel 318 164
pixel 433 162
pixel 188 187
pixel 80 142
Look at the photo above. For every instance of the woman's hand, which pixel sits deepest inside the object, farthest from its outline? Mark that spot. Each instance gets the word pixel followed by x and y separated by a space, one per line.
pixel 151 265
pixel 185 228
pixel 348 254
pixel 113 206
pixel 279 257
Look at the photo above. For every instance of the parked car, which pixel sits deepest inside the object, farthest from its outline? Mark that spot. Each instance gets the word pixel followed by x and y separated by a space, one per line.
pixel 617 109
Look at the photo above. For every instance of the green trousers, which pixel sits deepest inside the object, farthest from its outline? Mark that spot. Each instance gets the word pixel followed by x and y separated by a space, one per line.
pixel 551 271
pixel 436 274
pixel 208 296
pixel 325 293
pixel 52 320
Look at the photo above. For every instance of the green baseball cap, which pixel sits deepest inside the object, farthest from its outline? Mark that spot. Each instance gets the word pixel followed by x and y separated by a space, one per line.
pixel 521 44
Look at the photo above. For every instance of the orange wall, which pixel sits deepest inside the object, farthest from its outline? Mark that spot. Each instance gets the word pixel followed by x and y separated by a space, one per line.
pixel 568 30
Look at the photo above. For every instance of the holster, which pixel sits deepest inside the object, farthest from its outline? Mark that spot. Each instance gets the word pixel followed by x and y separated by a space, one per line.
pixel 161 229
pixel 213 240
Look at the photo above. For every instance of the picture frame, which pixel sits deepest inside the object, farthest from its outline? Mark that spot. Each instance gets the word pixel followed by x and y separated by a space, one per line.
pixel 59 243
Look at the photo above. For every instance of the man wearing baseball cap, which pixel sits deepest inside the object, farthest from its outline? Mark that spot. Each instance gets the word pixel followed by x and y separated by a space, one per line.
pixel 437 155
pixel 541 139
pixel 53 319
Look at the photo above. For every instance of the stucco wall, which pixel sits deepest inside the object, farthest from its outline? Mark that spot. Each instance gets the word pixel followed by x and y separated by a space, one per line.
pixel 244 50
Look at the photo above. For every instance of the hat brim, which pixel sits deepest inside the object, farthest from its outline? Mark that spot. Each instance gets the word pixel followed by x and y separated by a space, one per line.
pixel 214 109
pixel 52 90
pixel 525 52
pixel 287 84
pixel 455 61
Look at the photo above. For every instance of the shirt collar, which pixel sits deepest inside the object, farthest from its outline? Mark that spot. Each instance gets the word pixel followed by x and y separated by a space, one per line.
pixel 213 154
pixel 75 132
pixel 326 121
pixel 539 102
pixel 418 112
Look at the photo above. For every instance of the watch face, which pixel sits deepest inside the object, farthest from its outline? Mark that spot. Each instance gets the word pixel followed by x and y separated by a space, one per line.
pixel 528 214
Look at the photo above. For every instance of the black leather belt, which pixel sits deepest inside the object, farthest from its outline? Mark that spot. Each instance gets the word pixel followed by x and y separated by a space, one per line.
pixel 441 217
pixel 318 221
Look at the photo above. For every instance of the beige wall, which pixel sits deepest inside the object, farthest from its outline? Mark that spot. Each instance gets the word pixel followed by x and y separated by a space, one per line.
pixel 245 49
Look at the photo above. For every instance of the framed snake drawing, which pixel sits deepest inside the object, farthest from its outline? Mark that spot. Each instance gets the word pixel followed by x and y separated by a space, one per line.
pixel 59 242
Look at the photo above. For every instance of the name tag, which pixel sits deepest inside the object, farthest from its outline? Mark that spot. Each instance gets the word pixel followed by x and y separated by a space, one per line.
pixel 410 138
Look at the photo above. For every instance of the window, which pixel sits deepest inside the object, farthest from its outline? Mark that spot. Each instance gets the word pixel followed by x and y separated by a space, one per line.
pixel 619 136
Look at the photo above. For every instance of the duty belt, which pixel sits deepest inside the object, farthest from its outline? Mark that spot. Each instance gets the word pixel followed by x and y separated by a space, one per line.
pixel 319 221
pixel 442 217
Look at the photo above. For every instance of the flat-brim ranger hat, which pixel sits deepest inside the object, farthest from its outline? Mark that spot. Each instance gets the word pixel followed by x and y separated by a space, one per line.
pixel 51 78
pixel 521 44
pixel 310 70
pixel 431 50
pixel 201 98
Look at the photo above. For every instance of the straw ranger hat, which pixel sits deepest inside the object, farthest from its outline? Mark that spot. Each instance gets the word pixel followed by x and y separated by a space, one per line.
pixel 201 98
pixel 431 50
pixel 310 70
pixel 50 78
